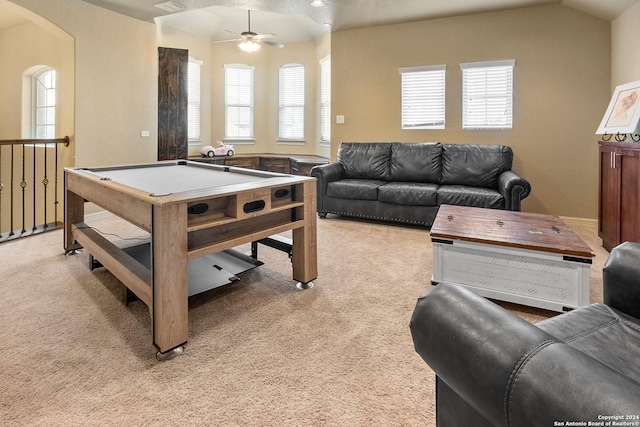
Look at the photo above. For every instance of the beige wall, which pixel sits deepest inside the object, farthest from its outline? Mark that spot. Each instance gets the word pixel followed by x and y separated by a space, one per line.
pixel 22 48
pixel 26 46
pixel 115 81
pixel 267 62
pixel 562 85
pixel 625 50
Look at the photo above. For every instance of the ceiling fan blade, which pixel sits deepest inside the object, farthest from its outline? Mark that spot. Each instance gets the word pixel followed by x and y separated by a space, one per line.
pixel 272 44
pixel 227 41
pixel 264 36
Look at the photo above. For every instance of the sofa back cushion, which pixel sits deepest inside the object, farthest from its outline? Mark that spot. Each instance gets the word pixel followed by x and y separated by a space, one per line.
pixel 474 165
pixel 416 162
pixel 365 160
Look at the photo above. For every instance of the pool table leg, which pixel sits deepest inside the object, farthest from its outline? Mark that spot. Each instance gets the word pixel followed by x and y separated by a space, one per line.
pixel 305 256
pixel 169 312
pixel 73 213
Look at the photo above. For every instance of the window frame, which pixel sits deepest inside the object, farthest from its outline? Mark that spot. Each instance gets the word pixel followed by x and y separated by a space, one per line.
pixel 497 95
pixel 432 103
pixel 325 101
pixel 36 123
pixel 250 106
pixel 291 103
pixel 194 103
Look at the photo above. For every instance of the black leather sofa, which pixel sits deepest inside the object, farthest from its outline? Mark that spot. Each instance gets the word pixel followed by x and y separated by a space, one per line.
pixel 407 182
pixel 494 369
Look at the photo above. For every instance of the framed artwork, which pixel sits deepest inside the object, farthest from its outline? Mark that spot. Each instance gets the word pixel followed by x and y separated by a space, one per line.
pixel 623 113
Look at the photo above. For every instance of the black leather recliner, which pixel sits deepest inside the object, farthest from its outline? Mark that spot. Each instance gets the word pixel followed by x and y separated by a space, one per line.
pixel 494 369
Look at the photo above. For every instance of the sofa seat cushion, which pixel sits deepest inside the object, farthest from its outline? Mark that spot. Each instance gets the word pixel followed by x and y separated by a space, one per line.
pixel 416 162
pixel 469 196
pixel 408 193
pixel 359 189
pixel 599 330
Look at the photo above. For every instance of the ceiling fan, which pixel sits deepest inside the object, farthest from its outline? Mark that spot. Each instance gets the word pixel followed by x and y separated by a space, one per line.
pixel 250 41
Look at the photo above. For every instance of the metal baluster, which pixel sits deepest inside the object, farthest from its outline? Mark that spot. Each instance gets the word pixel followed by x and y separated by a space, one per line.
pixel 23 184
pixel 1 188
pixel 11 233
pixel 35 151
pixel 45 181
pixel 55 204
pixel 10 204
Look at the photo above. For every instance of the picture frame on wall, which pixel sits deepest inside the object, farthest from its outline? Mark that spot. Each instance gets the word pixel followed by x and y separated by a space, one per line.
pixel 623 113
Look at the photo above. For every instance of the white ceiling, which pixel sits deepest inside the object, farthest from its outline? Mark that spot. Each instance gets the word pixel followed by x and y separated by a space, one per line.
pixel 296 20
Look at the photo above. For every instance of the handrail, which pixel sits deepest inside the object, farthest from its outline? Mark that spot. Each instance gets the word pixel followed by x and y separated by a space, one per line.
pixel 64 140
pixel 32 168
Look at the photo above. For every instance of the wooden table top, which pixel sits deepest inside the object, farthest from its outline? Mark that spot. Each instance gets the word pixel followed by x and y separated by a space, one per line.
pixel 525 230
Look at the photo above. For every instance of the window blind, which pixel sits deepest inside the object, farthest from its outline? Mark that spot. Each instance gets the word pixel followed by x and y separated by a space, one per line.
pixel 239 101
pixel 193 109
pixel 487 95
pixel 291 102
pixel 423 97
pixel 325 100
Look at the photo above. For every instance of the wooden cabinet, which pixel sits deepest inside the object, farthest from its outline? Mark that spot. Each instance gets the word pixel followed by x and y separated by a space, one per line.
pixel 252 162
pixel 303 166
pixel 619 198
pixel 275 164
pixel 280 163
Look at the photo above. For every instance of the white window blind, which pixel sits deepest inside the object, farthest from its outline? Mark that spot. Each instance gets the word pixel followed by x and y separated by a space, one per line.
pixel 487 95
pixel 193 109
pixel 239 101
pixel 44 105
pixel 423 97
pixel 325 100
pixel 291 102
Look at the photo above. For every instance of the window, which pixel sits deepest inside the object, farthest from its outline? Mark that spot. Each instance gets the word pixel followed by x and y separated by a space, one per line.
pixel 487 95
pixel 193 109
pixel 423 97
pixel 238 101
pixel 291 102
pixel 44 104
pixel 325 100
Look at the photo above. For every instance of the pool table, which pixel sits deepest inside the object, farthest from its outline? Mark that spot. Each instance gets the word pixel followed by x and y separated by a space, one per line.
pixel 191 210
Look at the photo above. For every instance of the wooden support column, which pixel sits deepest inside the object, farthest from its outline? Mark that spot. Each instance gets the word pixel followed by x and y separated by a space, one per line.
pixel 172 103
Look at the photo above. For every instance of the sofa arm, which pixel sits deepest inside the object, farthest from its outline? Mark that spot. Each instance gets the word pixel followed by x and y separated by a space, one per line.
pixel 621 279
pixel 513 188
pixel 325 174
pixel 507 369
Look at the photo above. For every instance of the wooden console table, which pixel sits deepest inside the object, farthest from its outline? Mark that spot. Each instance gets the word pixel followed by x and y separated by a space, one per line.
pixel 282 163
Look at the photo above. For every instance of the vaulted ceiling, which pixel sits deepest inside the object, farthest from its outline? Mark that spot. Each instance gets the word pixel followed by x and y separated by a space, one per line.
pixel 295 20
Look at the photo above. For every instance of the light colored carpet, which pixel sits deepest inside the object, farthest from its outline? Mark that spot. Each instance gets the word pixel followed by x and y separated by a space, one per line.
pixel 260 351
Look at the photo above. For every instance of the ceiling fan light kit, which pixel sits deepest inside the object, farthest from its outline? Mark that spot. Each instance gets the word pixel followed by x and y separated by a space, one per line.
pixel 248 46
